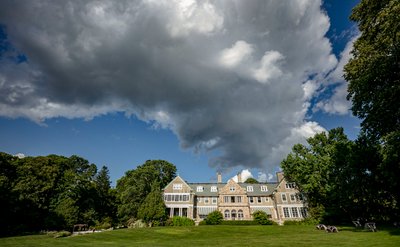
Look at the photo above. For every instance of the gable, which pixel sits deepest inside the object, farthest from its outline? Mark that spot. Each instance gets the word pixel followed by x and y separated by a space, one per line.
pixel 232 188
pixel 177 185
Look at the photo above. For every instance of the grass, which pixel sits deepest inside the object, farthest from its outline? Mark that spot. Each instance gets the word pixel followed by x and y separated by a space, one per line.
pixel 217 236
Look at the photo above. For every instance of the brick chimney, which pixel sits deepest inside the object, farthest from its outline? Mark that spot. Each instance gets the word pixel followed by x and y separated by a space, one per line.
pixel 219 177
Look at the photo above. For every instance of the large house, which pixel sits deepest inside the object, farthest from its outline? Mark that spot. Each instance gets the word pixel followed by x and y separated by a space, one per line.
pixel 235 200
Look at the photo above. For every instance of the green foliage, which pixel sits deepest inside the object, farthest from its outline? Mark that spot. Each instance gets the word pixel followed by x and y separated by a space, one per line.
pixel 50 192
pixel 132 223
pixel 153 208
pixel 134 187
pixel 304 222
pixel 179 221
pixel 251 181
pixel 62 234
pixel 261 218
pixel 214 218
pixel 373 71
pixel 239 222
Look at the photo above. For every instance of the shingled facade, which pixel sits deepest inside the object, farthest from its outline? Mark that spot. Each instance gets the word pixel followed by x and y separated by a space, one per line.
pixel 235 200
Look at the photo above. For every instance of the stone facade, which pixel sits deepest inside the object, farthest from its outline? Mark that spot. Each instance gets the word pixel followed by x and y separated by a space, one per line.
pixel 235 200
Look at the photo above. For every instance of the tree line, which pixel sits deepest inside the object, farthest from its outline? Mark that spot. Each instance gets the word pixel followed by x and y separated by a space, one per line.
pixel 55 192
pixel 344 179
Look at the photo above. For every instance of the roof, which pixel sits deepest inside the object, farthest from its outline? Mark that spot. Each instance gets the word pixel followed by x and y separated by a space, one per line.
pixel 256 188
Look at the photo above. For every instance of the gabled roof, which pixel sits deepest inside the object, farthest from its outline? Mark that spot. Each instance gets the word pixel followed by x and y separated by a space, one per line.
pixel 179 179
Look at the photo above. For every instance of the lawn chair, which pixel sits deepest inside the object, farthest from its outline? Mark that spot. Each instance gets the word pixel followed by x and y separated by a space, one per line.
pixel 370 226
pixel 357 223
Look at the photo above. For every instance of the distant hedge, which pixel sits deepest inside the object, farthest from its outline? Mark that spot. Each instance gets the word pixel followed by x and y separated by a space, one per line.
pixel 239 222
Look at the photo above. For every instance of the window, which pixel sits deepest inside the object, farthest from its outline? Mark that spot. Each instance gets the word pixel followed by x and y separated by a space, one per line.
pixel 206 200
pixel 286 212
pixel 200 189
pixel 266 199
pixel 283 197
pixel 214 200
pixel 233 214
pixel 232 199
pixel 264 188
pixel 239 199
pixel 251 199
pixel 259 199
pixel 303 212
pixel 213 188
pixel 226 199
pixel 176 197
pixel 290 185
pixel 295 214
pixel 232 189
pixel 198 199
pixel 250 188
pixel 292 197
pixel 184 212
pixel 240 214
pixel 227 214
pixel 177 186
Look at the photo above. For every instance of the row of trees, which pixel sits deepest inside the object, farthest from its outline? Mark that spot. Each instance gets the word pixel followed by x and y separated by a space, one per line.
pixel 346 179
pixel 56 192
pixel 53 192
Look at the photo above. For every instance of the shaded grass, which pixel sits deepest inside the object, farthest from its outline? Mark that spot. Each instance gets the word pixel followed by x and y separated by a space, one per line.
pixel 218 236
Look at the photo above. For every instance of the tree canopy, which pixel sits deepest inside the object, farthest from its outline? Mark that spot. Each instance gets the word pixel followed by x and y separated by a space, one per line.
pixel 373 72
pixel 251 181
pixel 133 188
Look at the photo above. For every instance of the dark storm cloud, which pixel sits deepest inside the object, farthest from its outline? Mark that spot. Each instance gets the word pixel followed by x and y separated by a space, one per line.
pixel 223 75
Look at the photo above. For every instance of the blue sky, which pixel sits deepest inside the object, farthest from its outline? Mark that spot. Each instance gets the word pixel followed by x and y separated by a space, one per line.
pixel 198 88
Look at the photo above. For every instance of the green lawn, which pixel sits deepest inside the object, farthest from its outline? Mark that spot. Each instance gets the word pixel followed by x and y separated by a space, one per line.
pixel 217 236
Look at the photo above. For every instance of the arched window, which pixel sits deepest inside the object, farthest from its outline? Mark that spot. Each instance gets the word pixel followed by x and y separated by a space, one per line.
pixel 240 214
pixel 233 214
pixel 227 214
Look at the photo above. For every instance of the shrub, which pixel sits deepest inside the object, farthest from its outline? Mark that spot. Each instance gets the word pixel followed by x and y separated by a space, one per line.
pixel 214 218
pixel 305 222
pixel 239 222
pixel 262 218
pixel 62 234
pixel 179 221
pixel 137 224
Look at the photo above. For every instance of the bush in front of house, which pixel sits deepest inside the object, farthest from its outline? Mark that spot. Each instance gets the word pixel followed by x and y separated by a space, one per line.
pixel 179 221
pixel 214 218
pixel 261 218
pixel 304 222
pixel 239 222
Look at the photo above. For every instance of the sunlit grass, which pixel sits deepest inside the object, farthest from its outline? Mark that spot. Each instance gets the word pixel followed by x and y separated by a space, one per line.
pixel 218 236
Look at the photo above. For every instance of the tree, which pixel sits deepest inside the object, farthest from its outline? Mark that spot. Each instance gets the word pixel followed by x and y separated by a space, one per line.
pixel 251 181
pixel 320 170
pixel 152 210
pixel 214 218
pixel 261 218
pixel 133 188
pixel 373 72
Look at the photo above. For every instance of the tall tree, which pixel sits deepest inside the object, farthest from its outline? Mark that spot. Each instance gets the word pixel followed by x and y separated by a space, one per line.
pixel 320 171
pixel 373 72
pixel 133 188
pixel 152 210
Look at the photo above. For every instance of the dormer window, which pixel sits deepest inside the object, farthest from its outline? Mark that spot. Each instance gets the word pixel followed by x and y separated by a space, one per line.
pixel 200 189
pixel 177 186
pixel 213 188
pixel 250 188
pixel 232 188
pixel 264 188
pixel 290 185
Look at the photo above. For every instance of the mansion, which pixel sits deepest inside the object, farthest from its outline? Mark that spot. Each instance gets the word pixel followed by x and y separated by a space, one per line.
pixel 235 200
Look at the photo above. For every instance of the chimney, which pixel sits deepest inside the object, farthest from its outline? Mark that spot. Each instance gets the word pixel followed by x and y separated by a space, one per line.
pixel 279 176
pixel 239 176
pixel 219 177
